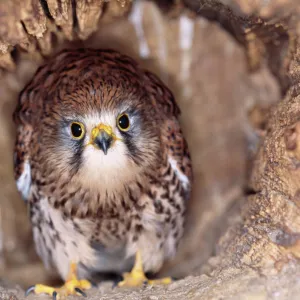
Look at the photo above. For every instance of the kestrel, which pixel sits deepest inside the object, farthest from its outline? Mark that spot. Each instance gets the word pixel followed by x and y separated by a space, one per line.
pixel 102 163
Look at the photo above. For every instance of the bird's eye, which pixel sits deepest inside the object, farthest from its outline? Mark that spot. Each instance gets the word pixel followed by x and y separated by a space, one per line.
pixel 123 122
pixel 77 130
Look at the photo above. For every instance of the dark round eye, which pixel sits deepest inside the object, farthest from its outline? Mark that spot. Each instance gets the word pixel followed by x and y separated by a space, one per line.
pixel 77 130
pixel 123 122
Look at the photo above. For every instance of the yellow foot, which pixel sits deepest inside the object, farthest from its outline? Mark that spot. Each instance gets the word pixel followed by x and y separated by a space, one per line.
pixel 137 276
pixel 134 279
pixel 72 286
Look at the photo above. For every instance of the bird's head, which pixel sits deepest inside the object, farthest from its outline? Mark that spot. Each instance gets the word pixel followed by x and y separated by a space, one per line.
pixel 102 135
pixel 111 146
pixel 97 119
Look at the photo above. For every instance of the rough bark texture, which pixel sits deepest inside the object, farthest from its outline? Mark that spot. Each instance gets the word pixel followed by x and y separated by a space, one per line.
pixel 227 62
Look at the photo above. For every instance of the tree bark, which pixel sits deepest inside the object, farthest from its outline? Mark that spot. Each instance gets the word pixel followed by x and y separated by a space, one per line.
pixel 245 211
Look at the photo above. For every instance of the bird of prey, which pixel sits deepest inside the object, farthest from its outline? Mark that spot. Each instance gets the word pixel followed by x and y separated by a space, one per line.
pixel 102 163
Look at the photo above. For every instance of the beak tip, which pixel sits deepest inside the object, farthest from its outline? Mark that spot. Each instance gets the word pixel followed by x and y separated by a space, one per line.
pixel 104 142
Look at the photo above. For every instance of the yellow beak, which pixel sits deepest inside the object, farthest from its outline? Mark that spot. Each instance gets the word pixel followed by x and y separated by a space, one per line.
pixel 103 137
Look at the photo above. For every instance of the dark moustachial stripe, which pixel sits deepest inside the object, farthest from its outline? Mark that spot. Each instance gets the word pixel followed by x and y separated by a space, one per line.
pixel 76 158
pixel 133 151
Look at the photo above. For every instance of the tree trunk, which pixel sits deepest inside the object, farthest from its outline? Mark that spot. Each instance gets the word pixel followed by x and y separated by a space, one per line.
pixel 228 63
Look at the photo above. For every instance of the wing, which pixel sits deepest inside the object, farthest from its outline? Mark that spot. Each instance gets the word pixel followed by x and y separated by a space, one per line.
pixel 175 145
pixel 177 151
pixel 22 169
pixel 161 97
pixel 22 161
pixel 25 116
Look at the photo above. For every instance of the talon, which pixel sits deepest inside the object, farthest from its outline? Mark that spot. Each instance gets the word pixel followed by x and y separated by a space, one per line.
pixel 54 295
pixel 29 290
pixel 81 292
pixel 93 283
pixel 72 286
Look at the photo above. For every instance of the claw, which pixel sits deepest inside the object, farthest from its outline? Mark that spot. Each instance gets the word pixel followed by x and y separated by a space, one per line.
pixel 81 292
pixel 72 286
pixel 115 284
pixel 54 295
pixel 29 290
pixel 93 283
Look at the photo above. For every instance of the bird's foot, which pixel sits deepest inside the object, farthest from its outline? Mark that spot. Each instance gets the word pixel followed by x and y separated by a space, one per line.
pixel 72 286
pixel 137 276
pixel 165 280
pixel 135 279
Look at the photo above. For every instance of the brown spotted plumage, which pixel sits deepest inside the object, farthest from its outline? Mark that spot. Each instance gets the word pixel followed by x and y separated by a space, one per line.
pixel 99 192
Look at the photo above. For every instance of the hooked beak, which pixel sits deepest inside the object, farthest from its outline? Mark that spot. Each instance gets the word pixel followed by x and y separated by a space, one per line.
pixel 103 141
pixel 103 137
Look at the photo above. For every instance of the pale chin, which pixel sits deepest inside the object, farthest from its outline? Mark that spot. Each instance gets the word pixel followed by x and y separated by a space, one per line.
pixel 107 173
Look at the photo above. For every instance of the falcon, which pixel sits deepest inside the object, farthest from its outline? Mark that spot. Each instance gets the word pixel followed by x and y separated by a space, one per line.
pixel 102 163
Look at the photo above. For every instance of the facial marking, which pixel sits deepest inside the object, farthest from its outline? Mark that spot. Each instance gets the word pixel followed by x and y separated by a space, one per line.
pixel 113 168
